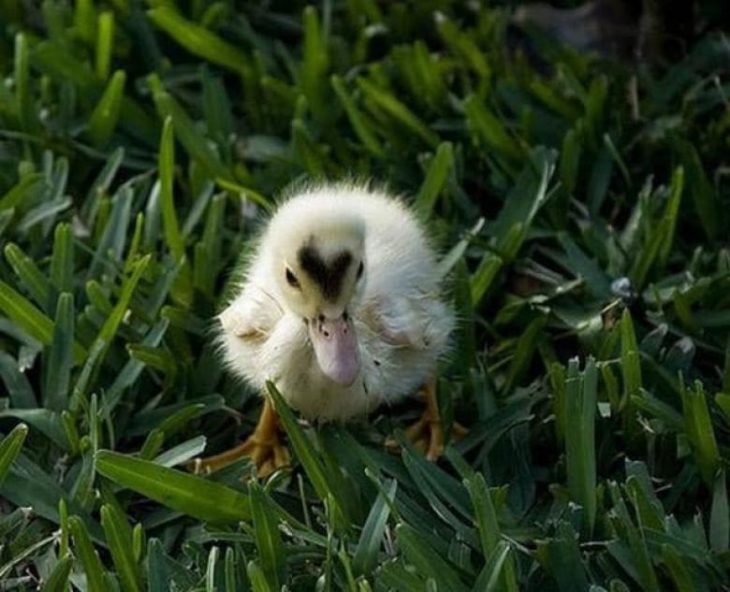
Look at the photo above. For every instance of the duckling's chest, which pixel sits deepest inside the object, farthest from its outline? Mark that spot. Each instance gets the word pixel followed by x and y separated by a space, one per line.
pixel 291 364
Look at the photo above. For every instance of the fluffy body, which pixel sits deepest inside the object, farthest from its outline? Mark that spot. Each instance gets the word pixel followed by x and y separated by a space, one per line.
pixel 402 322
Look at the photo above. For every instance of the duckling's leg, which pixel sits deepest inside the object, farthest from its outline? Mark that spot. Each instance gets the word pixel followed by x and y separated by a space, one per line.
pixel 427 433
pixel 263 447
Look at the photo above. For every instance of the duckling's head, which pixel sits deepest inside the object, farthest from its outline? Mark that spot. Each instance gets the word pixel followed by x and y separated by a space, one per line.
pixel 319 265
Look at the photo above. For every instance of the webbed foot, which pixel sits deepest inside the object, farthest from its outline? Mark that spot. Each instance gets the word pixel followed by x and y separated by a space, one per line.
pixel 427 434
pixel 264 447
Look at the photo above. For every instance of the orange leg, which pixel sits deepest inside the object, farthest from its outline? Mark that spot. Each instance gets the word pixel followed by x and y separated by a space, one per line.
pixel 263 447
pixel 427 434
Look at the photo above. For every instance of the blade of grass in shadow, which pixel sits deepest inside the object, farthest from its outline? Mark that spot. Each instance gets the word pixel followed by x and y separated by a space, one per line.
pixel 365 558
pixel 630 365
pixel 497 559
pixel 57 580
pixel 678 569
pixel 490 578
pixel 395 575
pixel 562 556
pixel 699 430
pixel 426 560
pixel 719 515
pixel 489 129
pixel 580 445
pixel 27 485
pixel 660 238
pixel 20 392
pixel 26 188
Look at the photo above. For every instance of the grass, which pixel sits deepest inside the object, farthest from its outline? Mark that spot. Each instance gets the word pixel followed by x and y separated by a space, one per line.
pixel 586 250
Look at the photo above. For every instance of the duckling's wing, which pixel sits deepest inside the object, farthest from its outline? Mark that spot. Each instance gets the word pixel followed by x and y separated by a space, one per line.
pixel 403 321
pixel 251 314
pixel 235 321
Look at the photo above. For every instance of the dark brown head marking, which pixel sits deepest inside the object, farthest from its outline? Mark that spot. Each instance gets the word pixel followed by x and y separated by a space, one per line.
pixel 328 276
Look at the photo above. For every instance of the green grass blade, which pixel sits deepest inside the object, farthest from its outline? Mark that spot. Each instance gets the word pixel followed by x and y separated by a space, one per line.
pixel 426 560
pixel 196 145
pixel 31 320
pixel 24 105
pixel 88 556
pixel 490 130
pixel 58 578
pixel 44 420
pixel 359 122
pixel 315 63
pixel 700 432
pixel 678 569
pixel 497 561
pixel 437 176
pixel 720 515
pixel 398 111
pixel 580 400
pixel 119 539
pixel 365 558
pixel 62 259
pixel 630 360
pixel 303 448
pixel 10 447
pixel 111 325
pixel 167 177
pixel 105 116
pixel 272 557
pixel 198 40
pixel 20 392
pixel 23 191
pixel 258 578
pixel 104 44
pixel 60 356
pixel 28 273
pixel 180 491
pixel 490 578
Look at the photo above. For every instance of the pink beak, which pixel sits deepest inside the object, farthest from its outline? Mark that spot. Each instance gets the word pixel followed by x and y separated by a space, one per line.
pixel 336 349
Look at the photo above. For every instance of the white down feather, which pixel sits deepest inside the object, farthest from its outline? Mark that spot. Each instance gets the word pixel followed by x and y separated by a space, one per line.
pixel 403 323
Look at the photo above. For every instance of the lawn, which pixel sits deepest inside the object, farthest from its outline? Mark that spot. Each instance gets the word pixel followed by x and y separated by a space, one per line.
pixel 581 207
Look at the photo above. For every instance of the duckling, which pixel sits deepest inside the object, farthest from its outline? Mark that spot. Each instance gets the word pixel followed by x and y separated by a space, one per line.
pixel 342 308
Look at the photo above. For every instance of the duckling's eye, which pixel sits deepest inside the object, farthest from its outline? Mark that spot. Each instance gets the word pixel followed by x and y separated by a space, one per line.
pixel 360 269
pixel 291 279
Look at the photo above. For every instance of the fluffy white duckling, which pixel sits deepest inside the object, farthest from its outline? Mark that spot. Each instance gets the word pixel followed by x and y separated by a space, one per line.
pixel 342 308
